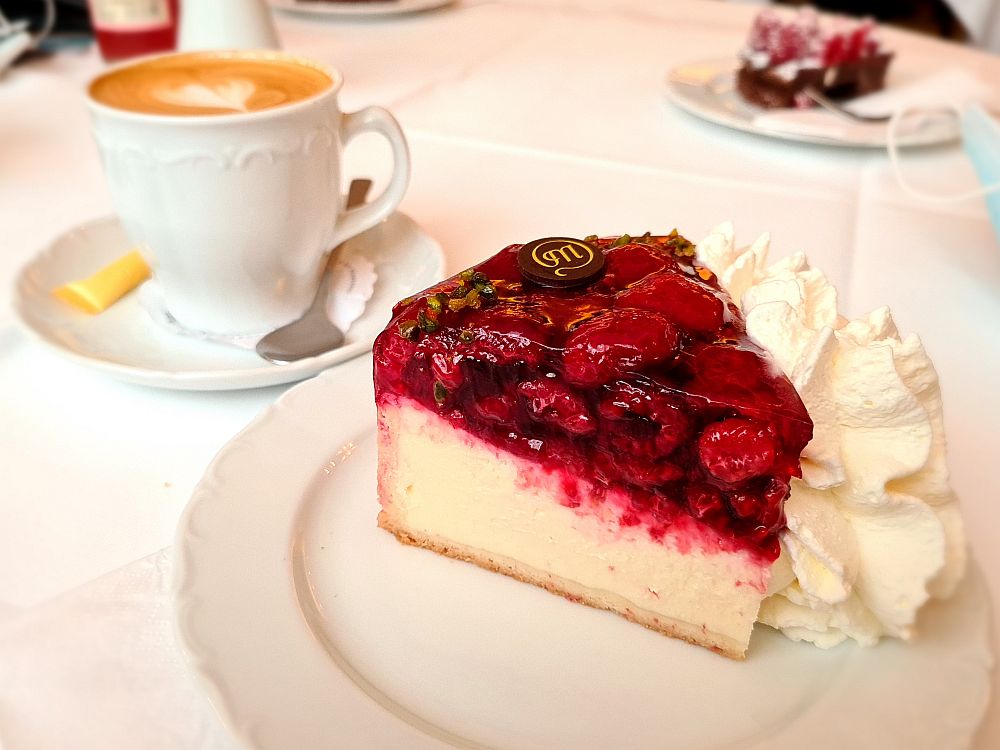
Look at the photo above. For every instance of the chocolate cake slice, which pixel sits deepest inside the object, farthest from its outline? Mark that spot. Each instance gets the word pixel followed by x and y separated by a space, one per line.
pixel 590 416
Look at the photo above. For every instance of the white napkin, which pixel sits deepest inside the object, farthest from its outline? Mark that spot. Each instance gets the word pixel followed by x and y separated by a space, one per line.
pixel 99 668
pixel 351 287
pixel 949 87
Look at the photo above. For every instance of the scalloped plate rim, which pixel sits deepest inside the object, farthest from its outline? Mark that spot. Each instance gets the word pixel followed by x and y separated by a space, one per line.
pixel 227 492
pixel 264 374
pixel 370 9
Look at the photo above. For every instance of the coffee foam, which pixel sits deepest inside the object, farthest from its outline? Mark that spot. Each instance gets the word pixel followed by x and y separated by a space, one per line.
pixel 209 84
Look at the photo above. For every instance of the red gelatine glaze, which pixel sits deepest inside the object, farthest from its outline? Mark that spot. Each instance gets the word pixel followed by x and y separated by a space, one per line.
pixel 643 384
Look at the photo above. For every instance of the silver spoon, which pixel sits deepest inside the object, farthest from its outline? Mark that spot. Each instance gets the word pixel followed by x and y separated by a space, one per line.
pixel 314 332
pixel 829 104
pixel 839 109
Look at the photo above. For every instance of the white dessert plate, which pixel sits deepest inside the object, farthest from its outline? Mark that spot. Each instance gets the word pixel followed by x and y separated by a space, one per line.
pixel 707 90
pixel 312 628
pixel 124 342
pixel 359 8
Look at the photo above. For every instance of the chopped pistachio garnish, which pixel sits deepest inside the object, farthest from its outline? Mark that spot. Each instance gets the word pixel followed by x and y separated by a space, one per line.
pixel 459 291
pixel 680 245
pixel 482 284
pixel 471 298
pixel 408 330
pixel 440 392
pixel 467 274
pixel 590 238
pixel 674 242
pixel 437 302
pixel 426 322
pixel 466 336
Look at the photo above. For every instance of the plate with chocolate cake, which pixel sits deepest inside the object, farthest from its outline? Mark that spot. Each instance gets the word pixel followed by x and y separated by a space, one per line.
pixel 359 8
pixel 687 439
pixel 772 85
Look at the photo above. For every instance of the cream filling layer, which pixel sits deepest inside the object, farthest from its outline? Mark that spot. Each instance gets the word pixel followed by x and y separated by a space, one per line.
pixel 439 481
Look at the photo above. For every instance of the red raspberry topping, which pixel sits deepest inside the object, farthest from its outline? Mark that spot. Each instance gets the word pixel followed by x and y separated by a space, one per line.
pixel 644 381
pixel 835 51
pixel 790 43
pixel 551 401
pixel 397 351
pixel 618 343
pixel 736 449
pixel 688 303
pixel 651 476
pixel 764 32
pixel 495 408
pixel 445 365
pixel 801 38
pixel 703 500
pixel 633 262
pixel 503 337
pixel 669 426
pixel 745 504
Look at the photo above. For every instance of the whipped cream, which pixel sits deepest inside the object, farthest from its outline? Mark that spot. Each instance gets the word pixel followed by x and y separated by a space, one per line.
pixel 874 529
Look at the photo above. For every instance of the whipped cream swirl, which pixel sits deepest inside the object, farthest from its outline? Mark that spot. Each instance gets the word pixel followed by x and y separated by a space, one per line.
pixel 874 529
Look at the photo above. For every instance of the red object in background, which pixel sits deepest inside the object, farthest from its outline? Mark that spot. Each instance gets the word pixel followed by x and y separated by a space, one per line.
pixel 129 28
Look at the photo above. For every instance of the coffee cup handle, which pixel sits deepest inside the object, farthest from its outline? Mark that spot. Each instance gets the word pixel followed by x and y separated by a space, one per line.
pixel 353 221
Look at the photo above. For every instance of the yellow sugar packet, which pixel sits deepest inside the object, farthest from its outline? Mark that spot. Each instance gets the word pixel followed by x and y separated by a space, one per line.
pixel 98 292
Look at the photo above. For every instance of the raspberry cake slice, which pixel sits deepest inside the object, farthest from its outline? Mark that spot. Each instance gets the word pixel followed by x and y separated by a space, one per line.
pixel 591 417
pixel 782 59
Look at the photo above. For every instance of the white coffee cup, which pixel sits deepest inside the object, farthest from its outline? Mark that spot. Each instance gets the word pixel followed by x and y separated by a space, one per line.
pixel 237 211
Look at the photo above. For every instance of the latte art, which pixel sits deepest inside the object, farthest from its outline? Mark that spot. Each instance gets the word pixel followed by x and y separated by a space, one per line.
pixel 232 95
pixel 205 83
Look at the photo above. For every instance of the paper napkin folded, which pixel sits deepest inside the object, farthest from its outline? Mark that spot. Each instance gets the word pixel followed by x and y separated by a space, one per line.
pixel 100 667
pixel 949 87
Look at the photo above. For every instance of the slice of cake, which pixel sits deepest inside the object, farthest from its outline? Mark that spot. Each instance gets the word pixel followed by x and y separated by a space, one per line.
pixel 783 58
pixel 590 416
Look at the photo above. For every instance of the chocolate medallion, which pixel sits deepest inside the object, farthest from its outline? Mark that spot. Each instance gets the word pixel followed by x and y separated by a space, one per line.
pixel 560 262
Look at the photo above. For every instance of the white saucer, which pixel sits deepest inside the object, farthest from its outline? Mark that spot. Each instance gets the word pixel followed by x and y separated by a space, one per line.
pixel 124 342
pixel 312 628
pixel 356 9
pixel 707 90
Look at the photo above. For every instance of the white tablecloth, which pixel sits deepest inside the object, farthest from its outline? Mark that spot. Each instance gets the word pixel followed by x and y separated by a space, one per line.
pixel 525 118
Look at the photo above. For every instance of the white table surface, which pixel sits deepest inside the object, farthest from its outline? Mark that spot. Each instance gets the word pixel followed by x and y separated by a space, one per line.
pixel 525 118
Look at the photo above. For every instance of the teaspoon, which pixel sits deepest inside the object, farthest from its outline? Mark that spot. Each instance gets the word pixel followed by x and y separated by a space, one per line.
pixel 314 332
